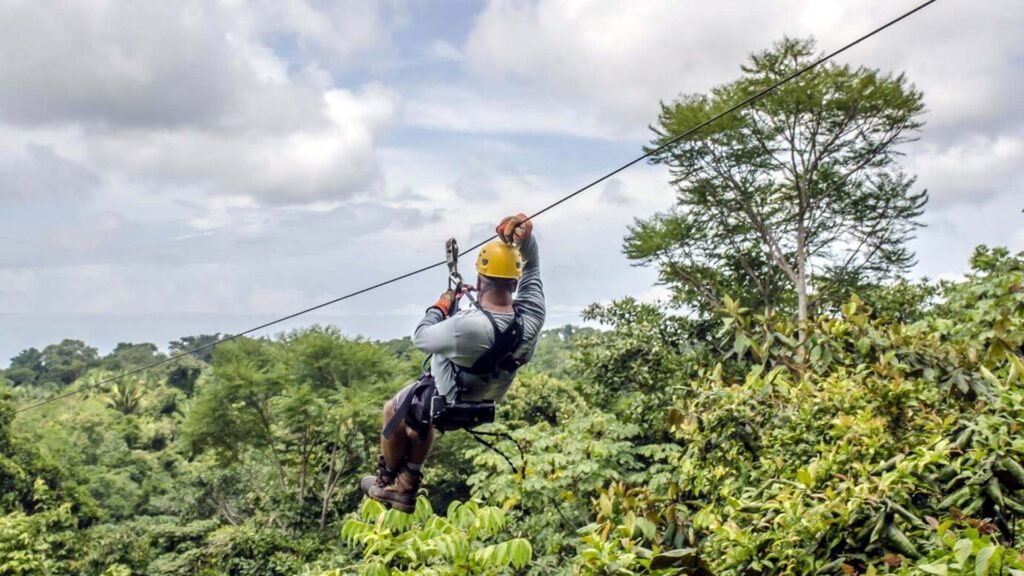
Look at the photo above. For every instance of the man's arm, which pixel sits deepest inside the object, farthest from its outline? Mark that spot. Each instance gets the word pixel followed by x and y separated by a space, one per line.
pixel 530 295
pixel 435 334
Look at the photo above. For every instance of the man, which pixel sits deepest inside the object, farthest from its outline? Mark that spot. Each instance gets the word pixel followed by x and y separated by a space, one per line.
pixel 469 359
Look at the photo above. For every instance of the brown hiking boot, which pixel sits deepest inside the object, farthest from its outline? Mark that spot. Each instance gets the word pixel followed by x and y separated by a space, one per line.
pixel 383 478
pixel 400 494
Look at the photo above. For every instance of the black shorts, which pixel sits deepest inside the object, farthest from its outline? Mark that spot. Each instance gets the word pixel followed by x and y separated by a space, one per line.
pixel 419 395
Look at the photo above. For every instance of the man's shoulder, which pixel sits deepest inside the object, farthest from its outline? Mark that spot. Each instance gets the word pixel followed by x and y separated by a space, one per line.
pixel 473 317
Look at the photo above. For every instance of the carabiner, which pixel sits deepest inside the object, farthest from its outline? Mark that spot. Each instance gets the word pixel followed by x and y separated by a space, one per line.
pixel 451 252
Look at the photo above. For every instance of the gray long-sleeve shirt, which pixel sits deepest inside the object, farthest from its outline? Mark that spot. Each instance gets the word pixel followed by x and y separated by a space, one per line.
pixel 463 338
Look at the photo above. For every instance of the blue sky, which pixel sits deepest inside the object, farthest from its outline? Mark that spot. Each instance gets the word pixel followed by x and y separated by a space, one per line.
pixel 193 167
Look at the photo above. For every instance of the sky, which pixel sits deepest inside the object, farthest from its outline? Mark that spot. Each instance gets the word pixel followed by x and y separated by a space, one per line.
pixel 177 168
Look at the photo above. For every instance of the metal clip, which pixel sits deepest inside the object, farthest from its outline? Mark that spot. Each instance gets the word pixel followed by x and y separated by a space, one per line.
pixel 451 251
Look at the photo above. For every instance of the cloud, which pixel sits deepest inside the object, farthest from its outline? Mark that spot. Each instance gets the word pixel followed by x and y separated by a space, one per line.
pixel 973 168
pixel 15 282
pixel 614 61
pixel 193 95
pixel 168 64
pixel 471 110
pixel 40 174
pixel 445 51
pixel 614 192
pixel 331 160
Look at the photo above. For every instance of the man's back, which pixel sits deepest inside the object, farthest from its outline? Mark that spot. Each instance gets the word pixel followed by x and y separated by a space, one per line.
pixel 460 340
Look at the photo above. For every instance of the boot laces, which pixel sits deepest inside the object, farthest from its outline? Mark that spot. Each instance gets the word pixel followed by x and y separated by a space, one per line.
pixel 385 477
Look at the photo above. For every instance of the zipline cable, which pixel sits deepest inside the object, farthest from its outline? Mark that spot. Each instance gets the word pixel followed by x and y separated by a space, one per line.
pixel 674 140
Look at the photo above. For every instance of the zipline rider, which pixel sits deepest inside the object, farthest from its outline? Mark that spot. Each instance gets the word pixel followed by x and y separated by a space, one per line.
pixel 475 355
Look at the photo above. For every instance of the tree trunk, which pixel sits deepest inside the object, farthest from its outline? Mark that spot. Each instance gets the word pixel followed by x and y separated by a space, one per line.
pixel 265 420
pixel 328 487
pixel 801 291
pixel 303 465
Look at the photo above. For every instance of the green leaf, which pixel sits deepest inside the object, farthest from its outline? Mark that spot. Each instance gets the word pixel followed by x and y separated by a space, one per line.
pixel 864 345
pixel 647 528
pixel 937 569
pixel 981 565
pixel 683 557
pixel 962 551
pixel 740 345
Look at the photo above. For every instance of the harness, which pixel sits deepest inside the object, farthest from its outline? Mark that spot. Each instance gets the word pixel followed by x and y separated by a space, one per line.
pixel 423 408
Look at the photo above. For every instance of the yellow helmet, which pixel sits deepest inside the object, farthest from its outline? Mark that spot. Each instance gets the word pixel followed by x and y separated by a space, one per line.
pixel 499 260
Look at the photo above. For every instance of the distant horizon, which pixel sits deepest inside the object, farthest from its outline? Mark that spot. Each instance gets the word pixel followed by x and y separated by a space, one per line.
pixel 85 331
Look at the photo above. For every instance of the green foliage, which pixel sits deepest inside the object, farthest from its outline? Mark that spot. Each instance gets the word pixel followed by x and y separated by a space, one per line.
pixel 25 368
pixel 301 413
pixel 888 443
pixel 553 355
pixel 63 363
pixel 126 356
pixel 863 458
pixel 190 343
pixel 469 539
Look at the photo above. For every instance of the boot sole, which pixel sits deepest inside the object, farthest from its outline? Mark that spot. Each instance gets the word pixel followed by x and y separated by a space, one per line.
pixel 400 506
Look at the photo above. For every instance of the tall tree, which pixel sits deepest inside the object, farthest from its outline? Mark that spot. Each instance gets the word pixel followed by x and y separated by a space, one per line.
pixel 186 343
pixel 792 196
pixel 128 355
pixel 26 367
pixel 63 363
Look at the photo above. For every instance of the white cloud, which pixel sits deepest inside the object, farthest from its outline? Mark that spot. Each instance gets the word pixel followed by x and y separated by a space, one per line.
pixel 192 96
pixel 445 51
pixel 974 167
pixel 17 282
pixel 613 192
pixel 37 173
pixel 152 63
pixel 466 109
pixel 614 60
pixel 331 160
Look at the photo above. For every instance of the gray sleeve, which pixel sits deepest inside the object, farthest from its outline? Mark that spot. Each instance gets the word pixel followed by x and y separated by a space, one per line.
pixel 435 334
pixel 530 296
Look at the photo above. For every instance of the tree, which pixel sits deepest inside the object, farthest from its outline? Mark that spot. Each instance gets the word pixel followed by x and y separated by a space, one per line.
pixel 187 343
pixel 26 367
pixel 125 396
pixel 299 406
pixel 127 355
pixel 796 193
pixel 63 363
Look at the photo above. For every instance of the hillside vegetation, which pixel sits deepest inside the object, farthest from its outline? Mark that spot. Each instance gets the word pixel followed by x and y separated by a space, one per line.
pixel 896 448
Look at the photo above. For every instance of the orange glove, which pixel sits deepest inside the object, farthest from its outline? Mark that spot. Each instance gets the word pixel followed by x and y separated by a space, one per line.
pixel 515 229
pixel 446 301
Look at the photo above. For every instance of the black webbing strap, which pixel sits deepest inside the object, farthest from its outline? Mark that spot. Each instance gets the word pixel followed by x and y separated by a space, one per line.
pixel 505 343
pixel 402 410
pixel 521 471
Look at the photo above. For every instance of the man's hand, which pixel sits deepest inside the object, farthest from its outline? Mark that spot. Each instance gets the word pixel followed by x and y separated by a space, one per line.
pixel 447 300
pixel 515 229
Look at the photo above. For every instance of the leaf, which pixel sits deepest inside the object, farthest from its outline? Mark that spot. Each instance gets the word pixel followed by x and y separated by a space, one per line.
pixel 962 551
pixel 864 345
pixel 646 527
pixel 984 560
pixel 740 345
pixel 805 477
pixel 937 569
pixel 683 557
pixel 522 552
